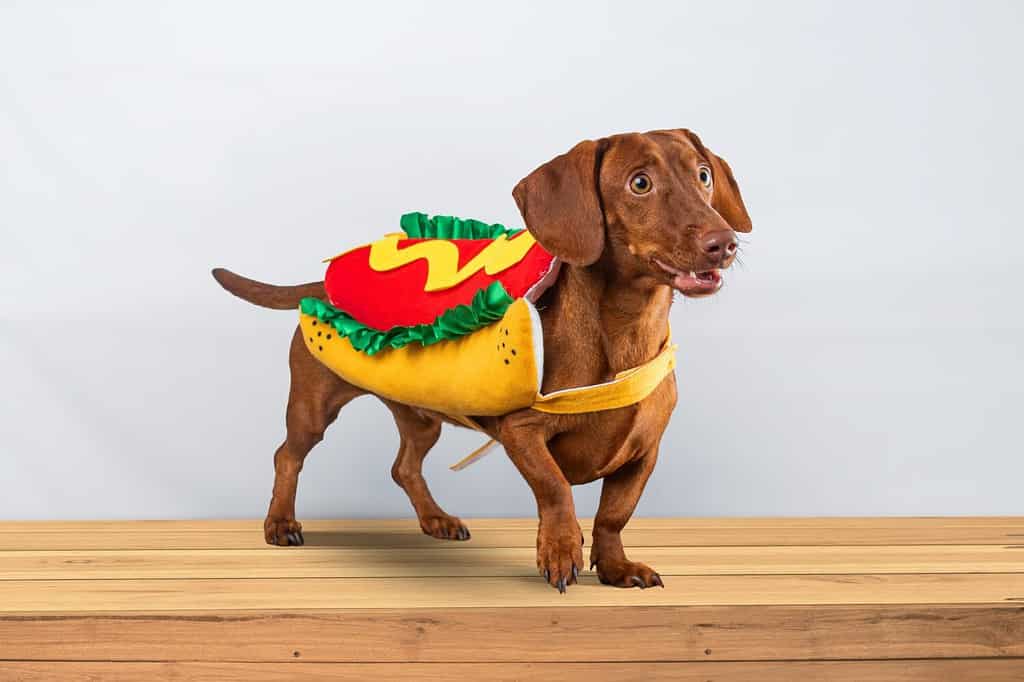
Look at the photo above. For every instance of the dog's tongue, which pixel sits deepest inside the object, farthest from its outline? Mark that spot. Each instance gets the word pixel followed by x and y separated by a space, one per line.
pixel 698 283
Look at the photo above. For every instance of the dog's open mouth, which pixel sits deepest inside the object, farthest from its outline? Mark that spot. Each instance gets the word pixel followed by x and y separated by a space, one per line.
pixel 693 283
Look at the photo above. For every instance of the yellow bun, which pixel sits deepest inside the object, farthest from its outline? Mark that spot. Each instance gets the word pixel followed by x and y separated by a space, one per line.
pixel 493 371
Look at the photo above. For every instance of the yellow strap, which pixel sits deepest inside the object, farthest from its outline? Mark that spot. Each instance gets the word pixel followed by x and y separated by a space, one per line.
pixel 476 454
pixel 627 388
pixel 473 456
pixel 465 421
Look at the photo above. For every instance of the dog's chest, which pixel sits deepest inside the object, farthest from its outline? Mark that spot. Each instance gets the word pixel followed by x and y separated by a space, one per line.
pixel 597 444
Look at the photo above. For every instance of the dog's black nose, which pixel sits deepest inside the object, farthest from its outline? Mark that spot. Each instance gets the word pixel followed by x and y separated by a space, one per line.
pixel 719 245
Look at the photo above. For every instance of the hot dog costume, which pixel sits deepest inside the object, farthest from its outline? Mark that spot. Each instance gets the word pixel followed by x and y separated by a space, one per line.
pixel 442 316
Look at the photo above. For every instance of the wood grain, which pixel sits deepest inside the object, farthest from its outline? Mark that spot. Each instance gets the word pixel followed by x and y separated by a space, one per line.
pixel 516 634
pixel 467 560
pixel 402 533
pixel 432 592
pixel 651 522
pixel 764 599
pixel 845 671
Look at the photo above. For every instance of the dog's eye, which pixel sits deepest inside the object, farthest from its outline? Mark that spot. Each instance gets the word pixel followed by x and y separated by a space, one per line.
pixel 704 173
pixel 640 184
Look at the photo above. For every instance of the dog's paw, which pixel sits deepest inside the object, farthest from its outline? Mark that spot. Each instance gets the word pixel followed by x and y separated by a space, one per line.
pixel 283 532
pixel 444 527
pixel 626 573
pixel 560 553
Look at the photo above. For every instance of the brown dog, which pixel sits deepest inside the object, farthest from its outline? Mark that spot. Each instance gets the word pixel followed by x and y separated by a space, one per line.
pixel 632 217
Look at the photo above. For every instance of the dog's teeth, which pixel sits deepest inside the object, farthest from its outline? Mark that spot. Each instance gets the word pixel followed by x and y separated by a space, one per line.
pixel 691 274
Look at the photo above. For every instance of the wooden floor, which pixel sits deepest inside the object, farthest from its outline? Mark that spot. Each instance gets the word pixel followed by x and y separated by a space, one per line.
pixel 745 599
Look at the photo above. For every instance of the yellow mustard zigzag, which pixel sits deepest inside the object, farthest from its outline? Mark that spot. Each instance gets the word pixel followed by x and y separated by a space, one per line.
pixel 442 257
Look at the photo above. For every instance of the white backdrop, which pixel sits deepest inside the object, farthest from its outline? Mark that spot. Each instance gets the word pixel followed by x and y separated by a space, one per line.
pixel 865 360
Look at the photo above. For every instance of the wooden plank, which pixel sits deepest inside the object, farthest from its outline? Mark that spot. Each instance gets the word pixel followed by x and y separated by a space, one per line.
pixel 466 560
pixel 403 533
pixel 402 524
pixel 517 634
pixel 430 592
pixel 845 671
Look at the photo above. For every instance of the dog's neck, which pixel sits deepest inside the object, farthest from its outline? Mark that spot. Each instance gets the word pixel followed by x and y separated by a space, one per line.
pixel 596 325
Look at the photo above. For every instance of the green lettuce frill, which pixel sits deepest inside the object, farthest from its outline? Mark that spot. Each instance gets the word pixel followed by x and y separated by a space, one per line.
pixel 422 226
pixel 488 305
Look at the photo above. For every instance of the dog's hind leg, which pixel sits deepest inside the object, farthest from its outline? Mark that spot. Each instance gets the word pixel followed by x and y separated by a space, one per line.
pixel 419 431
pixel 317 395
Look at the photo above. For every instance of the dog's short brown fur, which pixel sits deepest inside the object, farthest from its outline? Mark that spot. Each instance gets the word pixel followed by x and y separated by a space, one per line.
pixel 607 312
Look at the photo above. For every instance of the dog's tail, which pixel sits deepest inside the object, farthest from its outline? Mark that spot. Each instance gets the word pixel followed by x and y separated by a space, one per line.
pixel 267 295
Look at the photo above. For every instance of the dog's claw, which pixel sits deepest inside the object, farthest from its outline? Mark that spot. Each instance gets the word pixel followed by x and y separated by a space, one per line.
pixel 561 585
pixel 593 562
pixel 462 533
pixel 656 579
pixel 547 575
pixel 638 581
pixel 293 539
pixel 302 538
pixel 575 573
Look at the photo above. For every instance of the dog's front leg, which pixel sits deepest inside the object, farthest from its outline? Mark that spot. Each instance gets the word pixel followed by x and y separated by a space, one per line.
pixel 620 492
pixel 559 539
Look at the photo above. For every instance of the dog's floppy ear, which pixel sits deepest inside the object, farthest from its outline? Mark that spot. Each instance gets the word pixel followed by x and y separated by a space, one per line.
pixel 725 197
pixel 561 204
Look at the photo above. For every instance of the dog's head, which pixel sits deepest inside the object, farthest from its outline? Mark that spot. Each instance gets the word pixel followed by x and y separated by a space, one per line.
pixel 657 207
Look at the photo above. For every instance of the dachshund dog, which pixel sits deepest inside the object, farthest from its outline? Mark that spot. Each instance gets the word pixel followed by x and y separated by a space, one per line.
pixel 633 218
